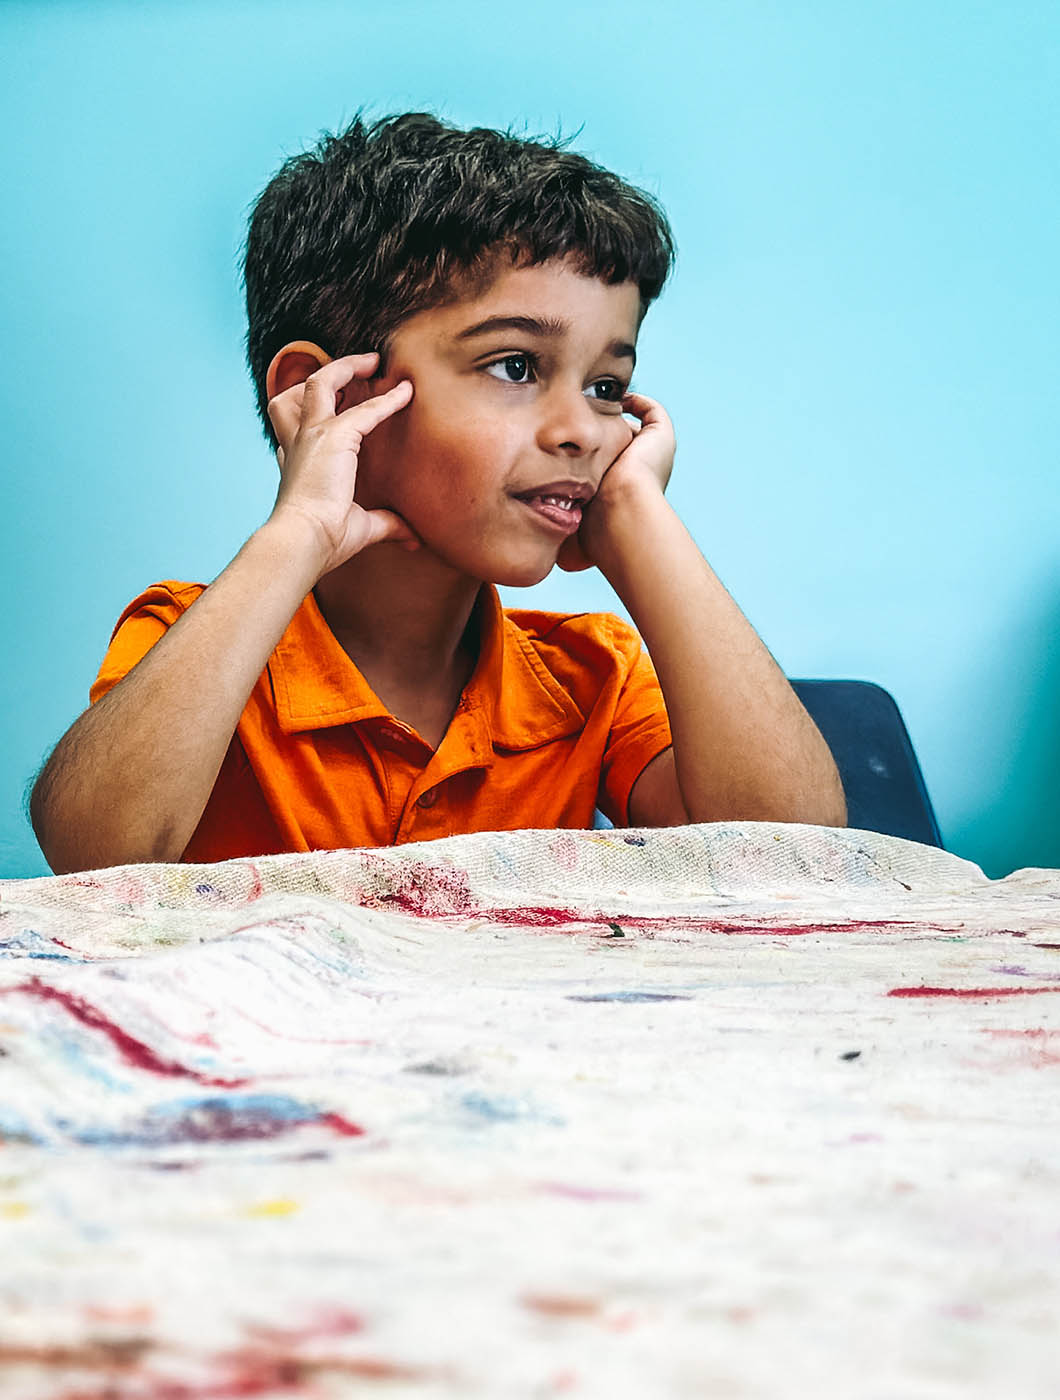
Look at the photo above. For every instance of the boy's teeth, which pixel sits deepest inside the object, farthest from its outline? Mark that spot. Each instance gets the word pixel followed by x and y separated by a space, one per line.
pixel 565 501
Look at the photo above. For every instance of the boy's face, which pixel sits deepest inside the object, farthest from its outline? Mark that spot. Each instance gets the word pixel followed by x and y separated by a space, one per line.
pixel 500 411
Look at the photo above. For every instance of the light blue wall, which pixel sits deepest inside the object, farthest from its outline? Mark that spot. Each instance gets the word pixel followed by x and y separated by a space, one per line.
pixel 859 350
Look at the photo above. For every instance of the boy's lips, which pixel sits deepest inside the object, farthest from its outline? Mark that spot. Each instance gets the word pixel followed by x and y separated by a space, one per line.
pixel 558 504
pixel 557 518
pixel 577 491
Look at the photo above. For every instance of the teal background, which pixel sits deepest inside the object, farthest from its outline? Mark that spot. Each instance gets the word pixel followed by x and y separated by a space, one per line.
pixel 859 348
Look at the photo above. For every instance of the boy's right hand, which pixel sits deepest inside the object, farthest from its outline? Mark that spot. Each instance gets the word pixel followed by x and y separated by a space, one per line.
pixel 317 454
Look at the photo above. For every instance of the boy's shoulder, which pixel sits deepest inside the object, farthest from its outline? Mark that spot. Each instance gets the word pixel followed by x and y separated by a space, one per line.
pixel 165 600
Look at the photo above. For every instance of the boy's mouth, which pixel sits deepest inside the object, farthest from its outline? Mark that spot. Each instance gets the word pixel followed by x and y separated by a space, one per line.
pixel 559 503
pixel 559 512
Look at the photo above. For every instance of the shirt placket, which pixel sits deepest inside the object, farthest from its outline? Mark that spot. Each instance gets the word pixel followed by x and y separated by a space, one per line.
pixel 427 812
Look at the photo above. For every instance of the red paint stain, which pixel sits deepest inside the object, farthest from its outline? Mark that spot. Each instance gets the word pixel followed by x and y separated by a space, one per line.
pixel 564 1380
pixel 327 1321
pixel 740 1313
pixel 92 1355
pixel 1034 1039
pixel 1031 1033
pixel 132 1051
pixel 967 991
pixel 552 916
pixel 341 1125
pixel 561 1305
pixel 249 1372
pixel 588 1193
pixel 423 890
pixel 134 1315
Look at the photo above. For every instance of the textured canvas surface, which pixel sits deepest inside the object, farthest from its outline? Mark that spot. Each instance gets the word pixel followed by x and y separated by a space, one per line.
pixel 734 1110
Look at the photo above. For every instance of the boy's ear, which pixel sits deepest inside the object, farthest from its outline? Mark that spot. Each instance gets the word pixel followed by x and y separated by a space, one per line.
pixel 293 365
pixel 297 361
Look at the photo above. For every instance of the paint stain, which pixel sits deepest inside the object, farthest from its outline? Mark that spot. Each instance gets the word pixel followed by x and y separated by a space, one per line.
pixel 254 1371
pixel 968 992
pixel 435 1067
pixel 1030 1033
pixel 247 1118
pixel 1034 1041
pixel 588 1193
pixel 242 1374
pixel 94 1354
pixel 561 1305
pixel 13 1210
pixel 740 1314
pixel 133 1051
pixel 425 890
pixel 630 996
pixel 496 1107
pixel 263 1210
pixel 327 1321
pixel 341 1125
pixel 135 1315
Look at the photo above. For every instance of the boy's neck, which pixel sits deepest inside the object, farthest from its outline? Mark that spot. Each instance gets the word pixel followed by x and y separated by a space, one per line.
pixel 403 619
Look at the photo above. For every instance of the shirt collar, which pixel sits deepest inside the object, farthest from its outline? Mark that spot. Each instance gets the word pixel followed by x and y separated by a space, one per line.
pixel 511 695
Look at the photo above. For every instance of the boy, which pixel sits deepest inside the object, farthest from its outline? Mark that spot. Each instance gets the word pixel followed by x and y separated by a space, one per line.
pixel 441 329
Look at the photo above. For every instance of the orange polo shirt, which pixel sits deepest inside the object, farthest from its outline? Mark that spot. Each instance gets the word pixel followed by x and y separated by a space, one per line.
pixel 560 716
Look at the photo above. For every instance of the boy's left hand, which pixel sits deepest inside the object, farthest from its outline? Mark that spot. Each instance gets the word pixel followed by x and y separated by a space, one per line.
pixel 648 459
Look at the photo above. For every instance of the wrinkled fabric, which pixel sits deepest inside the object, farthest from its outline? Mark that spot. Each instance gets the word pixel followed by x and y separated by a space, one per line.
pixel 740 1109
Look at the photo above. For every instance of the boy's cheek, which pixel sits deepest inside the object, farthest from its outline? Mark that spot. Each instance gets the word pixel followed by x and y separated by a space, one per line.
pixel 623 437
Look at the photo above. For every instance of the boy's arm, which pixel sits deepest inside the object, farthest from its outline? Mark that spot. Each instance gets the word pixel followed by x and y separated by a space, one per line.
pixel 129 780
pixel 744 748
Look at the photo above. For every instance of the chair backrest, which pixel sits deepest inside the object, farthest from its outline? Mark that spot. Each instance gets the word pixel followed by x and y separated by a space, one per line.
pixel 882 780
pixel 864 728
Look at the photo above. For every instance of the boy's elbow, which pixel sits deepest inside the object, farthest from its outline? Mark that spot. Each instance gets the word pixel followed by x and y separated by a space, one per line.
pixel 78 829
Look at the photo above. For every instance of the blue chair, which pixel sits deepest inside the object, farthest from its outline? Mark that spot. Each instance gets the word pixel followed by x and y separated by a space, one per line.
pixel 881 777
pixel 882 780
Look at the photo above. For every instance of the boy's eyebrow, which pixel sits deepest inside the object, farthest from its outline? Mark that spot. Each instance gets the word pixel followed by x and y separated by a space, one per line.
pixel 539 325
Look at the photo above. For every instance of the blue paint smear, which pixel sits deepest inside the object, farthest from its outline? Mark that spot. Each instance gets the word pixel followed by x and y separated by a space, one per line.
pixel 498 1109
pixel 220 1118
pixel 28 943
pixel 14 1128
pixel 631 996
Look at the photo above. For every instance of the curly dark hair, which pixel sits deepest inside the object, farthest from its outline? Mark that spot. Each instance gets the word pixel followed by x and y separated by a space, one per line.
pixel 383 220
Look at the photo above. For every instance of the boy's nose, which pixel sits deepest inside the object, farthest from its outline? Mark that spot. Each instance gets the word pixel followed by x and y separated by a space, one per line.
pixel 569 424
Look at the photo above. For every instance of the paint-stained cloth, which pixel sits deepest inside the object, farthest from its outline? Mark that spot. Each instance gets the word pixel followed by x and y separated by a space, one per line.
pixel 739 1110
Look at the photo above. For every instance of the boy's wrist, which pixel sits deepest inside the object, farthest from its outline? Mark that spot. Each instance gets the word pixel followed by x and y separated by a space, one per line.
pixel 624 520
pixel 299 542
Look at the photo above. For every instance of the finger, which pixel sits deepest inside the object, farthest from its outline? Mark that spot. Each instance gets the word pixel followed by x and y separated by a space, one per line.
pixel 322 389
pixel 643 407
pixel 649 411
pixel 285 413
pixel 387 525
pixel 369 414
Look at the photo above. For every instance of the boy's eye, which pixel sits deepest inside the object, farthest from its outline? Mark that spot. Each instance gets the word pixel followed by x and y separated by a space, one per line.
pixel 615 390
pixel 515 368
pixel 515 365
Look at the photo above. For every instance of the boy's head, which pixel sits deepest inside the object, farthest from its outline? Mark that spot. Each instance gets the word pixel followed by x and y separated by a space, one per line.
pixel 382 221
pixel 505 279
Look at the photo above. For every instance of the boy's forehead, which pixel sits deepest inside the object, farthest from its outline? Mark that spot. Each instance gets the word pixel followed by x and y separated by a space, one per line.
pixel 554 294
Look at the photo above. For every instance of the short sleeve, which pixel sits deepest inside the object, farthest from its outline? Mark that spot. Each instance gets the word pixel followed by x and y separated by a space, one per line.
pixel 640 728
pixel 144 621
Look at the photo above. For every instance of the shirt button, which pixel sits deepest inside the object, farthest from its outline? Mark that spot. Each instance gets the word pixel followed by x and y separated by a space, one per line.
pixel 428 798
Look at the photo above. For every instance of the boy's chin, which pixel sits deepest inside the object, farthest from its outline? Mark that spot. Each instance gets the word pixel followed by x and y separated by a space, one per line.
pixel 521 576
